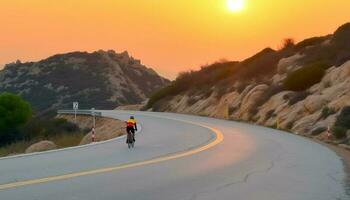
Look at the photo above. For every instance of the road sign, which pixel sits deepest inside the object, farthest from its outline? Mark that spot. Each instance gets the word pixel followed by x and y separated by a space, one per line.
pixel 75 108
pixel 75 105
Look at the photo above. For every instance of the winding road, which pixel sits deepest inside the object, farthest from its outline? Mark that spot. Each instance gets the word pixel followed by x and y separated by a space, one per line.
pixel 180 157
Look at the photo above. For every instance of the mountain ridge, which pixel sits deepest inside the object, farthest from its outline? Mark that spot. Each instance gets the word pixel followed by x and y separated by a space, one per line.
pixel 102 78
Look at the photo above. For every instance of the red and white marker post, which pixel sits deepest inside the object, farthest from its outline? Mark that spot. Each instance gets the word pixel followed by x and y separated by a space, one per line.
pixel 329 133
pixel 93 134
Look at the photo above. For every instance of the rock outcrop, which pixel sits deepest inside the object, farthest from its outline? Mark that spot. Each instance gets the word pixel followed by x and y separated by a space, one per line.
pixel 256 90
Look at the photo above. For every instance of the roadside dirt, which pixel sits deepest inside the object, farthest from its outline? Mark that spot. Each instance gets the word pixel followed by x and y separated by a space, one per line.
pixel 345 156
pixel 106 128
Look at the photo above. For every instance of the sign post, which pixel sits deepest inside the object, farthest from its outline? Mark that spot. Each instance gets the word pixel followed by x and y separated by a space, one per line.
pixel 75 108
pixel 93 124
pixel 93 117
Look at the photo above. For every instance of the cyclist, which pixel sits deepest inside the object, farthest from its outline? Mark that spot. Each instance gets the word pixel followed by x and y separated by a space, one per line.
pixel 131 127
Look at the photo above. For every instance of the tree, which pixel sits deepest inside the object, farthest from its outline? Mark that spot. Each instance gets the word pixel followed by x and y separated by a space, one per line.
pixel 288 43
pixel 14 113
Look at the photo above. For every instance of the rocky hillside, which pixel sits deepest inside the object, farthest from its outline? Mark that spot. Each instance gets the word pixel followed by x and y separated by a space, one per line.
pixel 102 79
pixel 303 88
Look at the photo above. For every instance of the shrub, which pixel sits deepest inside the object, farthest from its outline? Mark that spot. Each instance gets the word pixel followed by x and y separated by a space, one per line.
pixel 67 140
pixel 305 77
pixel 341 36
pixel 288 43
pixel 310 42
pixel 14 113
pixel 260 66
pixel 191 100
pixel 45 128
pixel 339 132
pixel 15 148
pixel 335 53
pixel 232 109
pixel 343 119
pixel 326 111
pixel 296 97
pixel 342 124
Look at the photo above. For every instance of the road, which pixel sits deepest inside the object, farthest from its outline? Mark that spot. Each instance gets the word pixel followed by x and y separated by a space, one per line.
pixel 180 157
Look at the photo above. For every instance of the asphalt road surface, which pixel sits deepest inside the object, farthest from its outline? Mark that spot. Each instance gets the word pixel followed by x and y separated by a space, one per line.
pixel 180 157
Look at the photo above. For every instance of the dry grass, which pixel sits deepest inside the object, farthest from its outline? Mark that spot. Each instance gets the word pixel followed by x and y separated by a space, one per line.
pixel 15 148
pixel 62 141
pixel 67 140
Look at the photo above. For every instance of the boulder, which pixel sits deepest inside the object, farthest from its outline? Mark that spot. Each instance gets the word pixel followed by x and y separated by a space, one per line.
pixel 305 124
pixel 287 64
pixel 41 146
pixel 223 106
pixel 290 115
pixel 314 103
pixel 318 130
pixel 329 121
pixel 269 111
pixel 336 75
pixel 338 103
pixel 249 102
pixel 278 78
pixel 246 91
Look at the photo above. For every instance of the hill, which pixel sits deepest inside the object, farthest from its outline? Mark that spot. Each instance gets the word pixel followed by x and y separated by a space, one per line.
pixel 103 78
pixel 303 88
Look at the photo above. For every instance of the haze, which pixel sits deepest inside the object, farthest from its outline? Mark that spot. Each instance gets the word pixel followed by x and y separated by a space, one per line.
pixel 169 36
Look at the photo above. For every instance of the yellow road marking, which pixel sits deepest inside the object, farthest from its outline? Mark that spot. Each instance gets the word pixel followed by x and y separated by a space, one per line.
pixel 219 138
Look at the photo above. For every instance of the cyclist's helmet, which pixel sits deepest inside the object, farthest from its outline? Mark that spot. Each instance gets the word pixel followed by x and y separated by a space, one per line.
pixel 132 117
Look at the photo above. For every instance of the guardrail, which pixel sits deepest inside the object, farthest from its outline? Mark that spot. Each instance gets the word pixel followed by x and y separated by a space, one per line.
pixel 79 112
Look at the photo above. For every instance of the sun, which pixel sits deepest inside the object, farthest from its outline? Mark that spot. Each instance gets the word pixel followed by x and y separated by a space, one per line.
pixel 235 5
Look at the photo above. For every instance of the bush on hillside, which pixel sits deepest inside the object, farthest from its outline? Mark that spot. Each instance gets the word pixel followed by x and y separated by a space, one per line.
pixel 305 77
pixel 45 128
pixel 326 112
pixel 310 42
pixel 296 97
pixel 342 123
pixel 288 43
pixel 258 67
pixel 263 64
pixel 208 75
pixel 341 36
pixel 14 113
pixel 334 53
pixel 339 132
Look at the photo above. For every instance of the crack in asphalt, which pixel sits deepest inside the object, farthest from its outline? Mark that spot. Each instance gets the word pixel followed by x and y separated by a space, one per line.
pixel 244 180
pixel 246 177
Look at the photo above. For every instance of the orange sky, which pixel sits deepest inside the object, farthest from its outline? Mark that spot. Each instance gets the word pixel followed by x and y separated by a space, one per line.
pixel 167 35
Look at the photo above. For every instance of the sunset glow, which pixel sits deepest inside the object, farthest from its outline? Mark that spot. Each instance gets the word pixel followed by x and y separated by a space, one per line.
pixel 235 5
pixel 169 36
